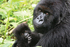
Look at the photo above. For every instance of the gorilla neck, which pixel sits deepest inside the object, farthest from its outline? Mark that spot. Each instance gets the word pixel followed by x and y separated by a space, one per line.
pixel 42 30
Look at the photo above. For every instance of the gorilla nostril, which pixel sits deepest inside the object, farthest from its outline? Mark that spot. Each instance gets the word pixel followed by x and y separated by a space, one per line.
pixel 37 18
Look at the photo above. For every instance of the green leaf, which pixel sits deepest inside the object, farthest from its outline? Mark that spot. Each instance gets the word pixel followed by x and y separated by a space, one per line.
pixel 14 24
pixel 7 9
pixel 3 11
pixel 10 18
pixel 7 43
pixel 1 1
pixel 22 13
pixel 2 27
pixel 1 40
pixel 33 5
pixel 38 46
pixel 14 0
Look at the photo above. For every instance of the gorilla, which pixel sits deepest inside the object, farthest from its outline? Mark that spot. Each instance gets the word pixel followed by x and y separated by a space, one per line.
pixel 51 20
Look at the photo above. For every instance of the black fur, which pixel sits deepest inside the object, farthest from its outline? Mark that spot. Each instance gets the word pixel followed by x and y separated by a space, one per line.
pixel 51 22
pixel 19 34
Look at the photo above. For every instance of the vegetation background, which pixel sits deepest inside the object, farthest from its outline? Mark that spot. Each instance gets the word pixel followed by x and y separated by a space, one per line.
pixel 12 13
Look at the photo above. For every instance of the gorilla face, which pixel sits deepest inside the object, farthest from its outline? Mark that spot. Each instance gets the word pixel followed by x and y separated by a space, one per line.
pixel 47 16
pixel 42 17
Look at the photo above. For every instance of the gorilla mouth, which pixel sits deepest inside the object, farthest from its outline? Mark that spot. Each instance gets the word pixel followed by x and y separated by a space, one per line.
pixel 38 23
pixel 41 26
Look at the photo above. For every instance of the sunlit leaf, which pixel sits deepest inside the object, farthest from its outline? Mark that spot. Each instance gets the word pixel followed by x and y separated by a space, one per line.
pixel 7 43
pixel 7 9
pixel 2 27
pixel 1 39
pixel 22 13
pixel 33 5
pixel 14 0
pixel 10 18
pixel 3 11
pixel 38 46
pixel 14 24
pixel 1 1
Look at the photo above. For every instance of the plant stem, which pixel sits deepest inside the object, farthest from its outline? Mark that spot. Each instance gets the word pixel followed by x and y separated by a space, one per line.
pixel 6 27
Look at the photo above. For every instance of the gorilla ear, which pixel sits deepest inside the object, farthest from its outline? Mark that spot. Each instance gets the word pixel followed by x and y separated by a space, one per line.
pixel 63 13
pixel 61 17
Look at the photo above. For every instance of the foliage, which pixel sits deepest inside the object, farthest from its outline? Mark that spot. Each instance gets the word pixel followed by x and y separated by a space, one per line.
pixel 12 13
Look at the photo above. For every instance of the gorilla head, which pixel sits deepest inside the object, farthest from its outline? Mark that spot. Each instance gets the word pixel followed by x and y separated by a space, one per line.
pixel 47 14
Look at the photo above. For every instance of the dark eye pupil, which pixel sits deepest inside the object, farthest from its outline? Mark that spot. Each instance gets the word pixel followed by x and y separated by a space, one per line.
pixel 47 13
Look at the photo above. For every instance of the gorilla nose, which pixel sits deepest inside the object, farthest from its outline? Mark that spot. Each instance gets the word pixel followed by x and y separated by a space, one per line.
pixel 39 18
pixel 38 21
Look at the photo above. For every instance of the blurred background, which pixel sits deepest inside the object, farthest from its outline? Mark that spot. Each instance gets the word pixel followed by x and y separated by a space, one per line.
pixel 12 13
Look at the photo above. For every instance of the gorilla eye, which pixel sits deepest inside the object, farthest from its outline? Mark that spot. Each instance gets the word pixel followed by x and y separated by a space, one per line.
pixel 47 13
pixel 40 10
